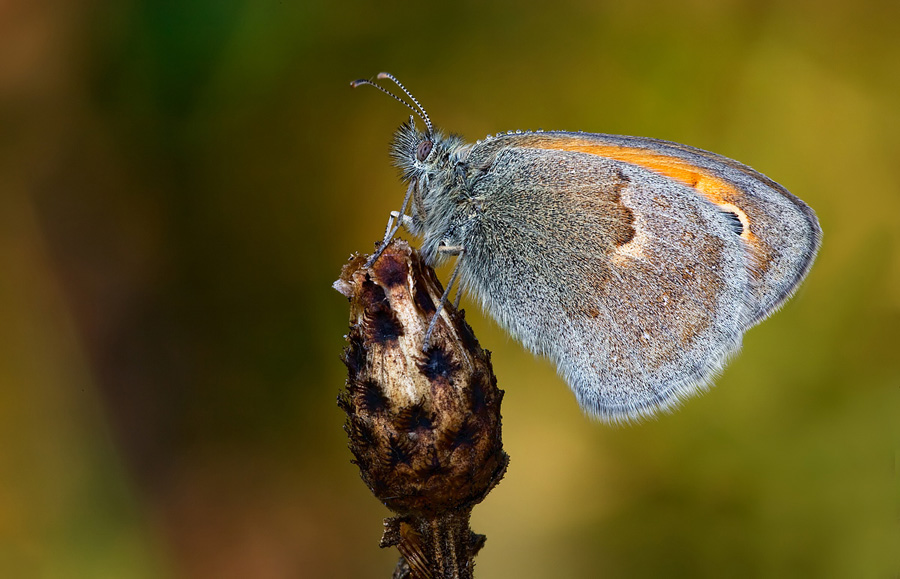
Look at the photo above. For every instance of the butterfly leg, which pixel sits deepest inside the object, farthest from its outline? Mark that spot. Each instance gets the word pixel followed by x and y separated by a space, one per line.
pixel 458 251
pixel 405 222
pixel 392 227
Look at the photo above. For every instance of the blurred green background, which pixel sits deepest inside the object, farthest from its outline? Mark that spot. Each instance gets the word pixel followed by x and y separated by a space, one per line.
pixel 180 183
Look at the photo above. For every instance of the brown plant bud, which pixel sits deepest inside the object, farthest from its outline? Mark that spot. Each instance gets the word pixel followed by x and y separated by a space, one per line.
pixel 424 426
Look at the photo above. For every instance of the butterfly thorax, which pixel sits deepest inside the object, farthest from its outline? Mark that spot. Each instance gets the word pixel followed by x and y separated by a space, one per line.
pixel 440 204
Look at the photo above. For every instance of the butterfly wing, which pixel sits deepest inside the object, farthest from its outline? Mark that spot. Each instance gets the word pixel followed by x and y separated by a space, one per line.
pixel 637 286
pixel 779 231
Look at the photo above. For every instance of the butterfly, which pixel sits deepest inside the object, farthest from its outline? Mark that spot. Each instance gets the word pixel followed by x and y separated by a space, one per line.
pixel 634 264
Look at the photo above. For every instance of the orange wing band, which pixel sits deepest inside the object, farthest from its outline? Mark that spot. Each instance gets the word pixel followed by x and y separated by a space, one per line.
pixel 714 189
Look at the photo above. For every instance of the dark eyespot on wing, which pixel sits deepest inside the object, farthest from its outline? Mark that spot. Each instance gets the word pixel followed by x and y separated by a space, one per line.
pixel 733 221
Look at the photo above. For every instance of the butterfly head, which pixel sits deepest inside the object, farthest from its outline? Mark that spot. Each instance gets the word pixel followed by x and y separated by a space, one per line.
pixel 420 154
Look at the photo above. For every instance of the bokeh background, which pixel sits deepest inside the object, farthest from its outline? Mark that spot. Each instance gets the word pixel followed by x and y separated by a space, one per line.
pixel 180 183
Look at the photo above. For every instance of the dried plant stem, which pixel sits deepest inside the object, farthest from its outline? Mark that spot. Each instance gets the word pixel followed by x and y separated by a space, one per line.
pixel 437 546
pixel 424 426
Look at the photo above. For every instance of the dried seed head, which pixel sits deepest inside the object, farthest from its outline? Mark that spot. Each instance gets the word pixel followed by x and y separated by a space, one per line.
pixel 424 427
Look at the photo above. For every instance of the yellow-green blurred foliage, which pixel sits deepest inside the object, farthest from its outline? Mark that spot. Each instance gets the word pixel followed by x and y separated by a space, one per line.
pixel 180 183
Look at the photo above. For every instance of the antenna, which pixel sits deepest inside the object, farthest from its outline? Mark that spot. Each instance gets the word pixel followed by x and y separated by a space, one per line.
pixel 419 111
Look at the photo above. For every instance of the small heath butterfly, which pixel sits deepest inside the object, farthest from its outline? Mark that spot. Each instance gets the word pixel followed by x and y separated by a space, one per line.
pixel 634 264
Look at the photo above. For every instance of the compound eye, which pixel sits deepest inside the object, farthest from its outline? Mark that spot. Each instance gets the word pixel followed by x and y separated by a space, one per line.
pixel 423 150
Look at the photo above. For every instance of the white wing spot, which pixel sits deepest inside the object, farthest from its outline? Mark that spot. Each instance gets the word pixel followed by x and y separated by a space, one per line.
pixel 634 249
